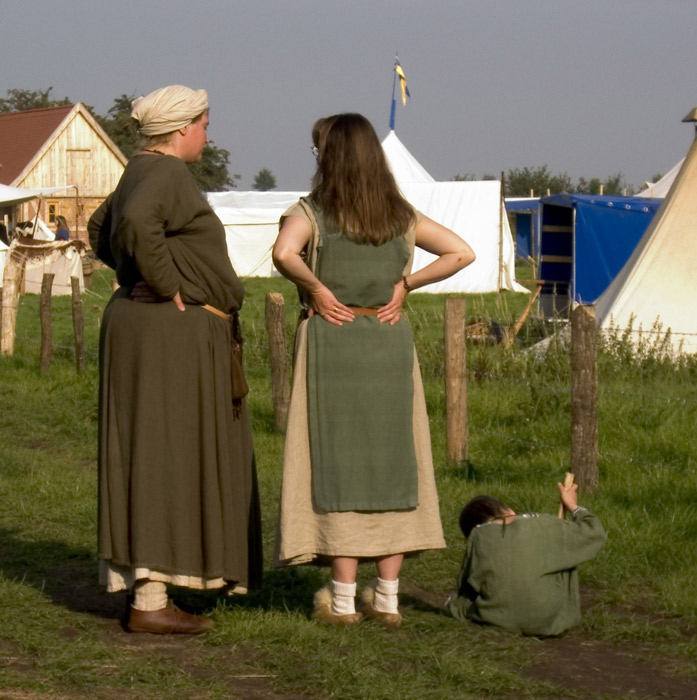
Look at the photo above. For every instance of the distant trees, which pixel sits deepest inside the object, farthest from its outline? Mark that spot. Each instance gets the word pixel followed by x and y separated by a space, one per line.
pixel 264 180
pixel 613 184
pixel 520 182
pixel 18 100
pixel 468 177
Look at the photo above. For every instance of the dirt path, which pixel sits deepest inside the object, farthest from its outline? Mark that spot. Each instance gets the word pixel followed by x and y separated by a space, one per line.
pixel 578 662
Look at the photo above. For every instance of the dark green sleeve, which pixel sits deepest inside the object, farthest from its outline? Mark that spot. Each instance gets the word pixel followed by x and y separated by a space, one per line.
pixel 577 541
pixel 459 602
pixel 99 231
pixel 149 211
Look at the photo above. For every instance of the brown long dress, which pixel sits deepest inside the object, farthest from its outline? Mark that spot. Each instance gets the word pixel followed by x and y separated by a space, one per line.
pixel 178 497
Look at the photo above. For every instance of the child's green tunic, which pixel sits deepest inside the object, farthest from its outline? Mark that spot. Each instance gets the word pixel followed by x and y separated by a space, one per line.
pixel 522 576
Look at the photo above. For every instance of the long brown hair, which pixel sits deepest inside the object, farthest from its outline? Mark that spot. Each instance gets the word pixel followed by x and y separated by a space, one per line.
pixel 353 185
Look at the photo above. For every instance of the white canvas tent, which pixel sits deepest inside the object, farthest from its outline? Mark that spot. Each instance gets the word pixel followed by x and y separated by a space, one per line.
pixel 659 189
pixel 658 282
pixel 251 226
pixel 11 197
pixel 471 209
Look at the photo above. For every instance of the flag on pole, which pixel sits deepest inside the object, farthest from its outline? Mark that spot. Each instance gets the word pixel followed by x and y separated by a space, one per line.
pixel 402 80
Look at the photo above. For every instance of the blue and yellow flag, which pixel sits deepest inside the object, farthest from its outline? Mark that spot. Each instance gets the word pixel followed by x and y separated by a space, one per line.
pixel 402 80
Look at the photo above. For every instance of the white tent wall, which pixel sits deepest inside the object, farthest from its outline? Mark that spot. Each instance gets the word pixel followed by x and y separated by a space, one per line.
pixel 251 226
pixel 61 259
pixel 658 282
pixel 63 263
pixel 472 209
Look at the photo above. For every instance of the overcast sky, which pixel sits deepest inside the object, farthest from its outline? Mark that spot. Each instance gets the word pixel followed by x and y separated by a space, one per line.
pixel 589 87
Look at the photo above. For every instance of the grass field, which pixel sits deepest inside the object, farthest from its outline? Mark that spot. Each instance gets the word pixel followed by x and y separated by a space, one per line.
pixel 60 635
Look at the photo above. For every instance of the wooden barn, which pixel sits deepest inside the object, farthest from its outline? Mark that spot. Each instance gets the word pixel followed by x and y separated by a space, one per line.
pixel 59 146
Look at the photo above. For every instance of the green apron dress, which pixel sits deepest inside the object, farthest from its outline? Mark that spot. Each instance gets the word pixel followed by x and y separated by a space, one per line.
pixel 359 379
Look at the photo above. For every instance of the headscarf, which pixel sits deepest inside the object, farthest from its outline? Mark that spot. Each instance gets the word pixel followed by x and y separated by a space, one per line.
pixel 168 109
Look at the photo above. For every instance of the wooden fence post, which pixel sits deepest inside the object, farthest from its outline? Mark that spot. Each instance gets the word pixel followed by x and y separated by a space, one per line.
pixel 78 325
pixel 45 316
pixel 455 379
pixel 276 330
pixel 584 398
pixel 10 300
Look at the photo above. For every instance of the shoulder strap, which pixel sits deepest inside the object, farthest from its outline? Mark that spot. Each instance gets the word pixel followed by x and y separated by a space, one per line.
pixel 314 239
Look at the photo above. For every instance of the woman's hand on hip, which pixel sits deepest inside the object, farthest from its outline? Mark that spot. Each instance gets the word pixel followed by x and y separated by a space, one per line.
pixel 326 305
pixel 143 293
pixel 392 311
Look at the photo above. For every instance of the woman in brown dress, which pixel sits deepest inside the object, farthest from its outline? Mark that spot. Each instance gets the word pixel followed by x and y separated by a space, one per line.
pixel 358 480
pixel 178 500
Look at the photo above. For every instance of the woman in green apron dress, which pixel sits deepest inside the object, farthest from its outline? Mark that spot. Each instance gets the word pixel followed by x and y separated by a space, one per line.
pixel 358 479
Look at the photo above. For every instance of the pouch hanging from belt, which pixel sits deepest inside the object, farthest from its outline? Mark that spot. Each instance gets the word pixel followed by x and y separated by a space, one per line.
pixel 238 381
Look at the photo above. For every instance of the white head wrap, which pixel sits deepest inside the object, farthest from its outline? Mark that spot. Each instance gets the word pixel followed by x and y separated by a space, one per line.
pixel 168 109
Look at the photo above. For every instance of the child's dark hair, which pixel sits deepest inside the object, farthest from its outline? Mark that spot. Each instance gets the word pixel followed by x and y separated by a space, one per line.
pixel 481 509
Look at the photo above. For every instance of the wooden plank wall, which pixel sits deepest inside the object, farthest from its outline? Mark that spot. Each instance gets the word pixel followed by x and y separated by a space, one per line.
pixel 79 157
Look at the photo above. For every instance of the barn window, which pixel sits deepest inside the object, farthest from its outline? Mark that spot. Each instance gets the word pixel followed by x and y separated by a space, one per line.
pixel 52 211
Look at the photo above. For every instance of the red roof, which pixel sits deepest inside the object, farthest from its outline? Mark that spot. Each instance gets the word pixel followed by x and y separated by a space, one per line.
pixel 22 134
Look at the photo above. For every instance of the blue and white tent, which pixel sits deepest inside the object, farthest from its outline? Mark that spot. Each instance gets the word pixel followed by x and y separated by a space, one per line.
pixel 585 240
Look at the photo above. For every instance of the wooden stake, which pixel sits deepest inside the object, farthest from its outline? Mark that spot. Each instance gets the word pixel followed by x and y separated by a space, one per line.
pixel 513 332
pixel 584 398
pixel 455 379
pixel 276 330
pixel 45 316
pixel 78 325
pixel 10 300
pixel 568 481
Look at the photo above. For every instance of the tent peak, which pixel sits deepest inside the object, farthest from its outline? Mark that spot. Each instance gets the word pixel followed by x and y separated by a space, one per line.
pixel 691 116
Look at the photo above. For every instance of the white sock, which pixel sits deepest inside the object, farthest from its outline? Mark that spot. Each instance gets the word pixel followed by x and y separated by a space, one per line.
pixel 149 595
pixel 386 596
pixel 344 598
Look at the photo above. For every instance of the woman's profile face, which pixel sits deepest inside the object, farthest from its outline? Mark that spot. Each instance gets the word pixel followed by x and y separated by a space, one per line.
pixel 195 139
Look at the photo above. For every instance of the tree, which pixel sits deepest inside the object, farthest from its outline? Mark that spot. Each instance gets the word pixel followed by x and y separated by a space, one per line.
pixel 264 181
pixel 119 126
pixel 613 184
pixel 469 177
pixel 19 100
pixel 521 181
pixel 211 173
pixel 591 186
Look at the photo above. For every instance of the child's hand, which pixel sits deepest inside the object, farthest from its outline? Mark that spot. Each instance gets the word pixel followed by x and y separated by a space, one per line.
pixel 569 497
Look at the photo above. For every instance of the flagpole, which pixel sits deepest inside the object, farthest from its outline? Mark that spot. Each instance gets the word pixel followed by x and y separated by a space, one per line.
pixel 393 109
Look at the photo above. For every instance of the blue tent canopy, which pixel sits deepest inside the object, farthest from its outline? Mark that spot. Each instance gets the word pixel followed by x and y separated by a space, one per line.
pixel 527 224
pixel 586 240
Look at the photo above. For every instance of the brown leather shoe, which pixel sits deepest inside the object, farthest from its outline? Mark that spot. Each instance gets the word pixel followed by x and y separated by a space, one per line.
pixel 391 621
pixel 169 620
pixel 322 611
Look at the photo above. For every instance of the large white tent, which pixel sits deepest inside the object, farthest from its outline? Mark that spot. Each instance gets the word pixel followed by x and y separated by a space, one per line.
pixel 471 209
pixel 658 283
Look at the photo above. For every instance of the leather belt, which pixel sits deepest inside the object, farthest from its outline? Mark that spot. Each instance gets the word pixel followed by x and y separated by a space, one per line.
pixel 216 312
pixel 363 311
